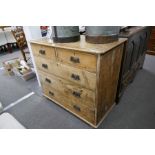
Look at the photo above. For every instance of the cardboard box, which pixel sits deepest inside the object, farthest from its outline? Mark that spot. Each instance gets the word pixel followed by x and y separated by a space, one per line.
pixel 27 75
pixel 19 68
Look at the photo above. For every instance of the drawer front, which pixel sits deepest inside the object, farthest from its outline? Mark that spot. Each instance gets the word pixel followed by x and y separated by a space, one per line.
pixel 69 90
pixel 76 108
pixel 77 76
pixel 43 51
pixel 77 59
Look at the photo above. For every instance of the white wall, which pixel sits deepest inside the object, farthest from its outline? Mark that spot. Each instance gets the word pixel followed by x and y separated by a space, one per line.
pixel 32 33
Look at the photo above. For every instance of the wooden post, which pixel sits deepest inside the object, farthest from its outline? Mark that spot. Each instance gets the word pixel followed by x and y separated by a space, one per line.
pixel 31 33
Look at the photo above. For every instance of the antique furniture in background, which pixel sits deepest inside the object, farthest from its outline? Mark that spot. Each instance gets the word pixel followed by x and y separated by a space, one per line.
pixel 11 42
pixel 80 77
pixel 134 55
pixel 19 35
pixel 151 43
pixel 3 41
pixel 7 41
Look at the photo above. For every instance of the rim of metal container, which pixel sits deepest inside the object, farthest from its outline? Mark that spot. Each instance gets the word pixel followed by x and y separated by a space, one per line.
pixel 66 39
pixel 112 35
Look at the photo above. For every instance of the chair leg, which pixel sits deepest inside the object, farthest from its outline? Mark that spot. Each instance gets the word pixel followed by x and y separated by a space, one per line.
pixel 23 54
pixel 9 48
pixel 5 47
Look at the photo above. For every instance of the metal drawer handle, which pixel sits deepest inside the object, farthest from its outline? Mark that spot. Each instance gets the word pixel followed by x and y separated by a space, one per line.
pixel 45 66
pixel 75 77
pixel 76 94
pixel 42 52
pixel 51 93
pixel 76 108
pixel 48 80
pixel 74 59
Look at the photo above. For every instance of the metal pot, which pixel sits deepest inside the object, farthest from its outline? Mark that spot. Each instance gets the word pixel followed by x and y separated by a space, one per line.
pixel 102 34
pixel 64 34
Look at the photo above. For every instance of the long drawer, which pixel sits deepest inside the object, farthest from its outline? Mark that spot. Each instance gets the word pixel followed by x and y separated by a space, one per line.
pixel 75 75
pixel 77 59
pixel 80 110
pixel 73 92
pixel 44 51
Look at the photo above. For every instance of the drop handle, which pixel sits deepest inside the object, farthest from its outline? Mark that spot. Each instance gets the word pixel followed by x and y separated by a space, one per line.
pixel 45 66
pixel 76 108
pixel 75 77
pixel 75 59
pixel 48 80
pixel 42 52
pixel 76 94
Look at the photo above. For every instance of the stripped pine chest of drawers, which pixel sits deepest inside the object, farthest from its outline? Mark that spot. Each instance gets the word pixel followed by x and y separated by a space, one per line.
pixel 80 77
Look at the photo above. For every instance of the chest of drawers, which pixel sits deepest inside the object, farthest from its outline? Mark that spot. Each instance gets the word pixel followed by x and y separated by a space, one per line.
pixel 80 77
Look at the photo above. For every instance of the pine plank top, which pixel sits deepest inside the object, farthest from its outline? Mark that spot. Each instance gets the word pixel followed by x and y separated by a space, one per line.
pixel 81 45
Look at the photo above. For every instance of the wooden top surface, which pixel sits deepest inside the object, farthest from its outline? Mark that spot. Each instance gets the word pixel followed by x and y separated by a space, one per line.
pixel 81 45
pixel 131 31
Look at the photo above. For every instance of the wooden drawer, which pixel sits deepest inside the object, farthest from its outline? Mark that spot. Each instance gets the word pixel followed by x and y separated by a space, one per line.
pixel 73 92
pixel 43 51
pixel 76 108
pixel 77 59
pixel 75 75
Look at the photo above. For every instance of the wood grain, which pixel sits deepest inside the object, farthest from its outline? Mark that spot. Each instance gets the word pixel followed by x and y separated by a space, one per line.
pixel 75 75
pixel 133 56
pixel 78 109
pixel 108 80
pixel 43 51
pixel 75 93
pixel 81 45
pixel 77 59
pixel 80 77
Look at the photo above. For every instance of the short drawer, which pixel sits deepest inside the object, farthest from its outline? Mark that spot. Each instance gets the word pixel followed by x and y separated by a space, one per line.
pixel 77 59
pixel 77 109
pixel 73 92
pixel 43 51
pixel 75 75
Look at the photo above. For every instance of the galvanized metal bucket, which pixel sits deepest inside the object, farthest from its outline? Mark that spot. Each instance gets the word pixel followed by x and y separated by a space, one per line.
pixel 102 34
pixel 64 34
